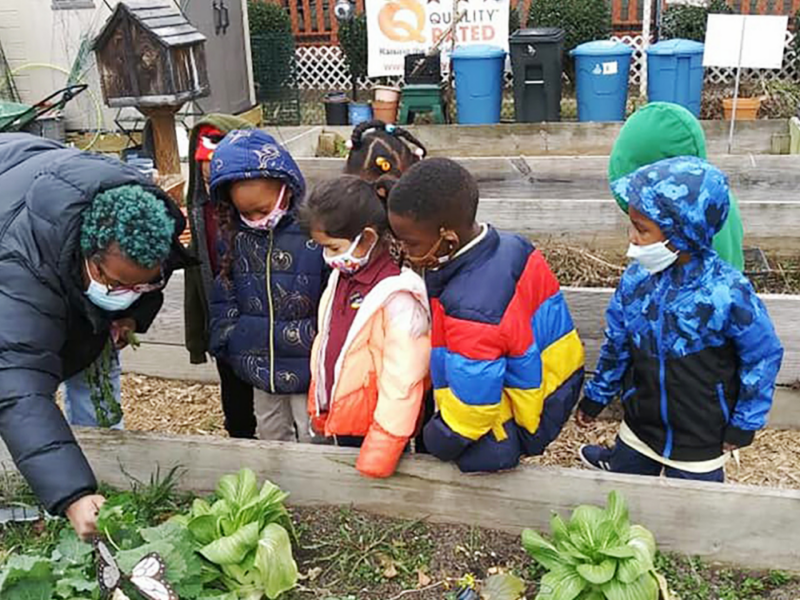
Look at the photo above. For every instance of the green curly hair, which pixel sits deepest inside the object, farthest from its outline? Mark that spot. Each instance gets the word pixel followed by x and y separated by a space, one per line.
pixel 133 218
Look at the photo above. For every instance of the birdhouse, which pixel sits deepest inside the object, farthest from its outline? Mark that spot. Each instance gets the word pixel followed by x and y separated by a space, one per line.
pixel 150 56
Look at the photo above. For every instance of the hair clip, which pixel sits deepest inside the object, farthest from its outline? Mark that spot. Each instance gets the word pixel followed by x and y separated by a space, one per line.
pixel 419 152
pixel 383 164
pixel 349 144
pixel 390 128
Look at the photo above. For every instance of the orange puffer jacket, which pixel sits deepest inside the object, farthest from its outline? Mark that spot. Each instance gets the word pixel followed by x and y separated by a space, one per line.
pixel 380 374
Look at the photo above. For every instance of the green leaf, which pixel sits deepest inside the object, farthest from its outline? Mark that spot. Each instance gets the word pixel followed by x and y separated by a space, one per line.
pixel 559 528
pixel 29 589
pixel 598 574
pixel 617 509
pixel 70 549
pixel 19 568
pixel 606 535
pixel 79 585
pixel 563 583
pixel 583 523
pixel 644 588
pixel 200 508
pixel 238 489
pixel 630 569
pixel 619 552
pixel 204 529
pixel 541 550
pixel 502 587
pixel 274 561
pixel 593 595
pixel 642 540
pixel 232 549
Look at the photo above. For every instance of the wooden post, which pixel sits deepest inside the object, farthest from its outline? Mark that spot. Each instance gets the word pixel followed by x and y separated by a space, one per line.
pixel 168 161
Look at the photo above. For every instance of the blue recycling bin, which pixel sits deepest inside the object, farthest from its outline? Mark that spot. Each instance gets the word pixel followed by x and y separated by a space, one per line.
pixel 479 83
pixel 602 72
pixel 675 73
pixel 359 113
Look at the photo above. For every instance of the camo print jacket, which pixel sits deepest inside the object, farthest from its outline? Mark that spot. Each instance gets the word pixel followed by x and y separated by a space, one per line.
pixel 691 350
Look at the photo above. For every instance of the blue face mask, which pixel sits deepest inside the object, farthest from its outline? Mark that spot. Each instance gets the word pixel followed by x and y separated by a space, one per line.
pixel 99 295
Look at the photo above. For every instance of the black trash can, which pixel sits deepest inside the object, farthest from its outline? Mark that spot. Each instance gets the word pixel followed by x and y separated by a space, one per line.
pixel 337 109
pixel 536 58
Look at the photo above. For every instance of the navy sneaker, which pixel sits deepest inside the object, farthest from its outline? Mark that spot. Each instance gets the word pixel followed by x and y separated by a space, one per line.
pixel 595 457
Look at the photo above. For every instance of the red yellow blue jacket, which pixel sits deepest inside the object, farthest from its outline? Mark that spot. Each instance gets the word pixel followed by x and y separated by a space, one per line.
pixel 507 365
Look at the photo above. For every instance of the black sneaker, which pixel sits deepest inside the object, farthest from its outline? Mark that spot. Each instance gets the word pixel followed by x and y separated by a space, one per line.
pixel 595 457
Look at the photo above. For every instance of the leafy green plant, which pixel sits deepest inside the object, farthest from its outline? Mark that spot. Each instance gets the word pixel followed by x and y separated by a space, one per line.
pixel 690 22
pixel 65 574
pixel 353 42
pixel 597 555
pixel 582 20
pixel 245 534
pixel 272 47
pixel 268 17
pixel 514 21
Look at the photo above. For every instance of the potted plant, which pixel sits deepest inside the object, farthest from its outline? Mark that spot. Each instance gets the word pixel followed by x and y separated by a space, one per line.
pixel 748 104
pixel 597 555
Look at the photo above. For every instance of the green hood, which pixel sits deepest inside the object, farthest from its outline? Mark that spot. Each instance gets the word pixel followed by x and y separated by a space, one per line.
pixel 656 132
pixel 226 124
pixel 663 130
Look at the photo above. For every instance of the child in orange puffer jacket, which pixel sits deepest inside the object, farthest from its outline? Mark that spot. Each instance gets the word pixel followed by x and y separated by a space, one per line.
pixel 370 359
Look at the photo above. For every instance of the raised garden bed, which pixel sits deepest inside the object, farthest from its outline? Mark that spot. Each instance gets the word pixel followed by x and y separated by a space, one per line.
pixel 342 553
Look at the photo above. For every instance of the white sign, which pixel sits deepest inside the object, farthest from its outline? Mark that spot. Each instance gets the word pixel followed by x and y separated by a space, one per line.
pixel 396 28
pixel 759 40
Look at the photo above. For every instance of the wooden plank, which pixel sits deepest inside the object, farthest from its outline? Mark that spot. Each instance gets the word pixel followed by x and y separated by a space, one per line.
pixel 307 28
pixel 689 517
pixel 573 139
pixel 320 7
pixel 753 178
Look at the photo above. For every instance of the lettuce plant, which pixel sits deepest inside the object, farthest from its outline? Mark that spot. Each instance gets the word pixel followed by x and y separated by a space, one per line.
pixel 246 534
pixel 597 555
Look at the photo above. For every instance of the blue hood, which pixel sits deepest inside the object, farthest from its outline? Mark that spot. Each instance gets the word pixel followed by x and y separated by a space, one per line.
pixel 250 153
pixel 686 197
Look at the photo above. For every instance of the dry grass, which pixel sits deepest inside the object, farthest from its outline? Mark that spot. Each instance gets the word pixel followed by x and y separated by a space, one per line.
pixel 189 408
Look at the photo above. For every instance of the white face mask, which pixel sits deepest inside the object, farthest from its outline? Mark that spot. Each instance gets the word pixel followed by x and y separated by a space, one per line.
pixel 272 219
pixel 345 262
pixel 653 257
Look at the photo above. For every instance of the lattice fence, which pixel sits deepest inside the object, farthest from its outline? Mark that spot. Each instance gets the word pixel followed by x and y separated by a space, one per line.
pixel 322 68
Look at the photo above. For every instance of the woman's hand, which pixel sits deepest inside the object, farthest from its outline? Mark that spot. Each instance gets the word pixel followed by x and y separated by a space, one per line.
pixel 121 331
pixel 83 515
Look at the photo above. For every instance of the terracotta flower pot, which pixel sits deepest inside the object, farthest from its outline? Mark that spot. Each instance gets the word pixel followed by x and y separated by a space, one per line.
pixel 746 108
pixel 385 93
pixel 385 111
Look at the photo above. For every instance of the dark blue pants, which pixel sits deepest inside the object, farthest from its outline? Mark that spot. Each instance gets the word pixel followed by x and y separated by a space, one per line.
pixel 625 459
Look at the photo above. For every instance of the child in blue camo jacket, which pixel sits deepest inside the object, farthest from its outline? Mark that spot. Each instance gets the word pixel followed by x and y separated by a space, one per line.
pixel 689 345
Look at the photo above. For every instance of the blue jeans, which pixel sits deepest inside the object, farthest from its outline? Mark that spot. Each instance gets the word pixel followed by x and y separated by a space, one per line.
pixel 78 404
pixel 625 459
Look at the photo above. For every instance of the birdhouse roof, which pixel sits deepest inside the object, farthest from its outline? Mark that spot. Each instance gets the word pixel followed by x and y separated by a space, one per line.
pixel 160 17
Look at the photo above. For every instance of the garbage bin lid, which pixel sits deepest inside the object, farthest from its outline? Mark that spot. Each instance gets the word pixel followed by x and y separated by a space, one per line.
pixel 673 47
pixel 538 34
pixel 602 48
pixel 479 51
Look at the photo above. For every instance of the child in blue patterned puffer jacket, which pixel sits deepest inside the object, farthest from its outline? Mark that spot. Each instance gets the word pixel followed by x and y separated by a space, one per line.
pixel 265 298
pixel 689 346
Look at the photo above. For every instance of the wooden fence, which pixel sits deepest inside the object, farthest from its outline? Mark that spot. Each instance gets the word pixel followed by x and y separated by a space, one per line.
pixel 314 24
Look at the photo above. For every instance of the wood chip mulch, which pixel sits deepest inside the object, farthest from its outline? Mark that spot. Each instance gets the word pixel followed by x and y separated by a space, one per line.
pixel 181 407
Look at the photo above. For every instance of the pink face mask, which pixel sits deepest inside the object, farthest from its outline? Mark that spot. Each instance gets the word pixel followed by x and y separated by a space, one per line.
pixel 272 219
